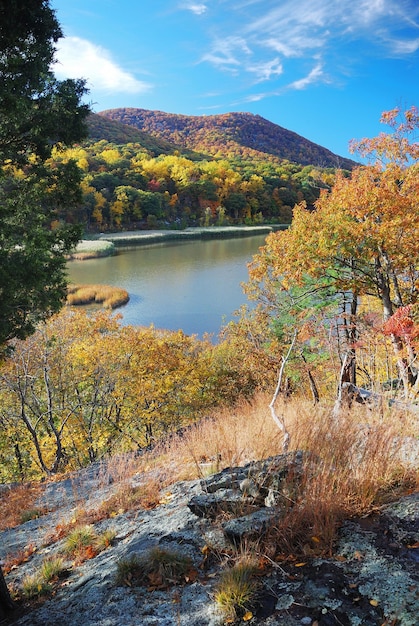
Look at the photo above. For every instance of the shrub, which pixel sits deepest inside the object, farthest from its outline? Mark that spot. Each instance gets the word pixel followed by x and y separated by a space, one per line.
pixel 79 539
pixel 237 590
pixel 26 516
pixel 52 568
pixel 34 586
pixel 83 543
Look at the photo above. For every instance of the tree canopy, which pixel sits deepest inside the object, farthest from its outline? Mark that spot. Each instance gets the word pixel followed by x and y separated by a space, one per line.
pixel 361 238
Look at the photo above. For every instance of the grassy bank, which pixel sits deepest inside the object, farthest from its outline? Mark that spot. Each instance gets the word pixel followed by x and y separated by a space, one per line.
pixel 145 237
pixel 93 250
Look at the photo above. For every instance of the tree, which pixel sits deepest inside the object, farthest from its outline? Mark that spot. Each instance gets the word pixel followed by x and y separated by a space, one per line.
pixel 36 112
pixel 362 237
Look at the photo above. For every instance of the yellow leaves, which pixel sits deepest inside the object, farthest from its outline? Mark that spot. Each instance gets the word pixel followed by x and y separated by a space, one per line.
pixel 247 616
pixel 374 602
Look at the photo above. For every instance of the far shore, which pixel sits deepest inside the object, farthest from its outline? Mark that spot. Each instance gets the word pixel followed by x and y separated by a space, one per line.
pixel 210 232
pixel 158 236
pixel 104 244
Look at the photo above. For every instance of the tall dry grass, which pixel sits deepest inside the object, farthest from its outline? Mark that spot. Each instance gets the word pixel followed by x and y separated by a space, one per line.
pixel 352 466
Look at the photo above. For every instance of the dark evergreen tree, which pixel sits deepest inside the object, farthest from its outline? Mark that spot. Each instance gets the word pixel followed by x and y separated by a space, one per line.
pixel 36 112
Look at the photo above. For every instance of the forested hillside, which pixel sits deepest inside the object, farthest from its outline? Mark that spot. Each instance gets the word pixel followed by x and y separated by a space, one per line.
pixel 230 134
pixel 125 186
pixel 134 178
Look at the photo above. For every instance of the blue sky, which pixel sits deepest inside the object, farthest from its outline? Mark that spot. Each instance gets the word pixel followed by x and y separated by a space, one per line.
pixel 325 69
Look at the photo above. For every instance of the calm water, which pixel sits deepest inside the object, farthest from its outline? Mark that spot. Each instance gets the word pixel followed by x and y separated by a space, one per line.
pixel 193 285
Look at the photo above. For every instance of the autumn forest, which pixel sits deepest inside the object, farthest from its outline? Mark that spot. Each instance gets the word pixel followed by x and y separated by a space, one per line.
pixel 132 179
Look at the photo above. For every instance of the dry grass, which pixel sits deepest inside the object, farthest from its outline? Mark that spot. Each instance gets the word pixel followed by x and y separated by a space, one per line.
pixel 109 297
pixel 17 502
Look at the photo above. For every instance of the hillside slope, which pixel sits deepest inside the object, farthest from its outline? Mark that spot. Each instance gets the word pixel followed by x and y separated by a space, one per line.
pixel 230 134
pixel 114 131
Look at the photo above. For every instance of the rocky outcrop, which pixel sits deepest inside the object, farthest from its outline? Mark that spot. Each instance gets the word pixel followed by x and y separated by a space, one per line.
pixel 371 580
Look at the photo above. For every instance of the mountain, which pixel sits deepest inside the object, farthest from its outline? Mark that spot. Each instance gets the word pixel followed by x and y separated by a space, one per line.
pixel 114 131
pixel 229 134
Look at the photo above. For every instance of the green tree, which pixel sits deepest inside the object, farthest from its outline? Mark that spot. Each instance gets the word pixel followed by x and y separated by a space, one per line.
pixel 36 112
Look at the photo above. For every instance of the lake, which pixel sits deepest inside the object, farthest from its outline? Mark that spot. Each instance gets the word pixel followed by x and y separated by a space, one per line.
pixel 190 285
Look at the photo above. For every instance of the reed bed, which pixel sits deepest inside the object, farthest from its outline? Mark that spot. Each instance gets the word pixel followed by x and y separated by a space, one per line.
pixel 109 297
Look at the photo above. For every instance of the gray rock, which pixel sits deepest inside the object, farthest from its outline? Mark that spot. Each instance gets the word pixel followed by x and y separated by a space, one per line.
pixel 376 557
pixel 251 526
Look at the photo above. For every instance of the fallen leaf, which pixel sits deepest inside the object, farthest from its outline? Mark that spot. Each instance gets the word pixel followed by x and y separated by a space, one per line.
pixel 300 564
pixel 374 602
pixel 315 539
pixel 247 616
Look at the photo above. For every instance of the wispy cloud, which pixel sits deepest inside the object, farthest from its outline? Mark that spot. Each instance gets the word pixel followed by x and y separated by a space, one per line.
pixel 79 58
pixel 315 76
pixel 306 29
pixel 405 46
pixel 197 8
pixel 227 53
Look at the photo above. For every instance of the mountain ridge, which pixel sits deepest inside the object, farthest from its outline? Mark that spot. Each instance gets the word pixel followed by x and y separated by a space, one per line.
pixel 237 134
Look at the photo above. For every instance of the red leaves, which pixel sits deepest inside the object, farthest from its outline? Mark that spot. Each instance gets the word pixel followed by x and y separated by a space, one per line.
pixel 401 323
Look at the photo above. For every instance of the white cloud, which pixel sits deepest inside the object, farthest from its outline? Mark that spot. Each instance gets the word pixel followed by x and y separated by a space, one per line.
pixel 79 58
pixel 196 8
pixel 266 70
pixel 314 76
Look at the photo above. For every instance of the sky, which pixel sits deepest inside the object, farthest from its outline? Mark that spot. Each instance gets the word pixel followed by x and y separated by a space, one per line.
pixel 325 69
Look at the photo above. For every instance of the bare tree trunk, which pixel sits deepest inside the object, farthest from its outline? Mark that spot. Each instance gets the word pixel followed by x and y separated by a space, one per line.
pixel 279 420
pixel 313 386
pixel 350 330
pixel 6 602
pixel 338 403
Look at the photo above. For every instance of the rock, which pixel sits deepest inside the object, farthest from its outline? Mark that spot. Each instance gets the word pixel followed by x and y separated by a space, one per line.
pixel 251 526
pixel 372 579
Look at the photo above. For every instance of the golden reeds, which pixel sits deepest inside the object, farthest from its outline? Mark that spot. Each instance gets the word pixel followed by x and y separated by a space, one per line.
pixel 109 297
